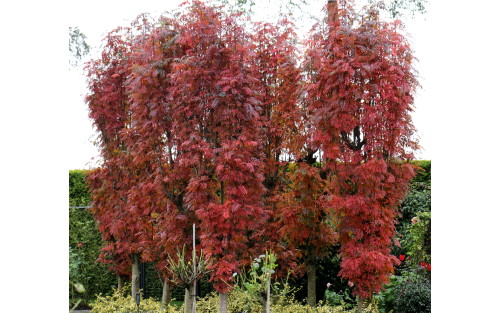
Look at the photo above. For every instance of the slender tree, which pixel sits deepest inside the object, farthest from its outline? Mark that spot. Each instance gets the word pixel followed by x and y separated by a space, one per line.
pixel 361 95
pixel 216 118
pixel 157 193
pixel 273 60
pixel 109 107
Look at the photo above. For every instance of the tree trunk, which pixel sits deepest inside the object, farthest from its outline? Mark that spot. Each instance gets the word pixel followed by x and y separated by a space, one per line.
pixel 135 274
pixel 121 282
pixel 263 301
pixel 362 304
pixel 311 283
pixel 268 294
pixel 166 295
pixel 222 302
pixel 188 299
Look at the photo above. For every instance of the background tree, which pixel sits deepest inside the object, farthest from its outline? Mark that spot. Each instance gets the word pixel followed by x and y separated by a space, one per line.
pixel 274 61
pixel 307 222
pixel 78 47
pixel 400 8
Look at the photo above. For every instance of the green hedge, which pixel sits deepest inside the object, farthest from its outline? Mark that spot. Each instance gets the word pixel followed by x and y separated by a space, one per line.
pixel 84 245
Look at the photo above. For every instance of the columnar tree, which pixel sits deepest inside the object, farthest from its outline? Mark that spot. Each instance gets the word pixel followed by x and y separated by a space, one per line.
pixel 109 108
pixel 307 222
pixel 361 93
pixel 158 192
pixel 216 118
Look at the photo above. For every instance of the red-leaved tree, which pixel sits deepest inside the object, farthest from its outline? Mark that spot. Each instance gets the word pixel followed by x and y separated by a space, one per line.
pixel 158 192
pixel 216 111
pixel 119 220
pixel 273 60
pixel 361 96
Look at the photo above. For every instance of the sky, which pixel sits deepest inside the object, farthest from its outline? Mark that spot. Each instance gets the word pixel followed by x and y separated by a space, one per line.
pixel 44 132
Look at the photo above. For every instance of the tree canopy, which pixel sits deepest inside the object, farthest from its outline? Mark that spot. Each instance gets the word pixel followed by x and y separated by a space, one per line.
pixel 203 120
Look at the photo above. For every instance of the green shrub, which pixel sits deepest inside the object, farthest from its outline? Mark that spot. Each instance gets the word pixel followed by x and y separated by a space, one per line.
pixel 410 292
pixel 418 239
pixel 78 191
pixel 342 299
pixel 118 303
pixel 413 295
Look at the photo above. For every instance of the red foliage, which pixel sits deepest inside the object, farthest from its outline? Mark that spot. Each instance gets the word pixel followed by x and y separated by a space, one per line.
pixel 360 99
pixel 196 118
pixel 109 108
pixel 307 221
pixel 216 111
pixel 273 60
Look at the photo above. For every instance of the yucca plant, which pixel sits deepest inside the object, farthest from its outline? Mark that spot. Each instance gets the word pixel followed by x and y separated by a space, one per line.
pixel 185 274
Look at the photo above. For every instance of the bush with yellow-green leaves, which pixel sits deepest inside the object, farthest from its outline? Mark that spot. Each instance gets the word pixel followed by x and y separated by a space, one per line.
pixel 239 302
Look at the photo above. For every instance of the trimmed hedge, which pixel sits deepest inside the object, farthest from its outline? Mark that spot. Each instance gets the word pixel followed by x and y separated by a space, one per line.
pixel 84 244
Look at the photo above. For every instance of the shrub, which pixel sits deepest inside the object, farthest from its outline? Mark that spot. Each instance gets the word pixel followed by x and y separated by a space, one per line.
pixel 418 240
pixel 423 175
pixel 117 302
pixel 239 302
pixel 342 299
pixel 408 293
pixel 413 295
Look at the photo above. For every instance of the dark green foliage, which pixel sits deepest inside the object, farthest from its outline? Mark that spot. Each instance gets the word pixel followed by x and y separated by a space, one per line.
pixel 413 296
pixel 408 293
pixel 418 200
pixel 85 243
pixel 340 298
pixel 410 289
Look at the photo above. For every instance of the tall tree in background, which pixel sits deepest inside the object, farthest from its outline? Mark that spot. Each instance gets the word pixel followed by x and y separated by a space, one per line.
pixel 362 95
pixel 307 220
pixel 273 60
pixel 399 8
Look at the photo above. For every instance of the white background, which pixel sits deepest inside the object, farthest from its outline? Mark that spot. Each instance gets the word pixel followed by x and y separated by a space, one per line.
pixel 456 113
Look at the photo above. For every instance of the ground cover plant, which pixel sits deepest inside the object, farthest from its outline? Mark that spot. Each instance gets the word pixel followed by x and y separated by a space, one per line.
pixel 207 124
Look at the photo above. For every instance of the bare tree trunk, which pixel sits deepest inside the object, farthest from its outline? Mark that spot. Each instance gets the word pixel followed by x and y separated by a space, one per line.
pixel 263 302
pixel 166 295
pixel 135 274
pixel 222 302
pixel 362 304
pixel 121 282
pixel 268 298
pixel 311 283
pixel 188 299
